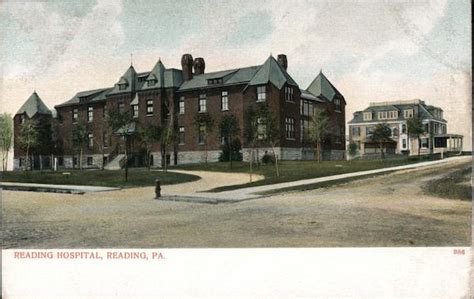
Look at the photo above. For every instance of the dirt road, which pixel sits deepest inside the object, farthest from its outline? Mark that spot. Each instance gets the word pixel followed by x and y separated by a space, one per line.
pixel 389 210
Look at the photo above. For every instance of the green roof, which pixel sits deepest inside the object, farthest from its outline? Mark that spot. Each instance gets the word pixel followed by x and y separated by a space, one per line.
pixel 423 113
pixel 157 73
pixel 34 105
pixel 272 71
pixel 94 95
pixel 230 77
pixel 129 78
pixel 321 86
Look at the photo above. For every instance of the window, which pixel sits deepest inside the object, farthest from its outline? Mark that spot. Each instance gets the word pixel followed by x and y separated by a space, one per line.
pixel 355 131
pixel 121 106
pixel 90 114
pixel 261 128
pixel 181 105
pixel 337 105
pixel 427 127
pixel 91 140
pixel 224 101
pixel 367 115
pixel 261 93
pixel 215 81
pixel 135 111
pixel 304 133
pixel 122 86
pixel 60 161
pixel 105 140
pixel 369 131
pixel 202 132
pixel 74 161
pixel 408 113
pixel 202 103
pixel 89 161
pixel 395 132
pixel 289 94
pixel 404 129
pixel 75 115
pixel 22 118
pixel 151 160
pixel 149 107
pixel 151 82
pixel 424 142
pixel 404 143
pixel 181 135
pixel 290 128
pixel 20 162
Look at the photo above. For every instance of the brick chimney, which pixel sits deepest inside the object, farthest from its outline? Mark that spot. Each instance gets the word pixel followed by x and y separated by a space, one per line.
pixel 199 66
pixel 187 66
pixel 283 61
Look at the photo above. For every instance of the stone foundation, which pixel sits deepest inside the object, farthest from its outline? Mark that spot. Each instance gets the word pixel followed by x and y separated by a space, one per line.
pixel 190 157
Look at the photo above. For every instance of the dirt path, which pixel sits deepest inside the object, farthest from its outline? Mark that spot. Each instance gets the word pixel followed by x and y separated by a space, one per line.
pixel 389 210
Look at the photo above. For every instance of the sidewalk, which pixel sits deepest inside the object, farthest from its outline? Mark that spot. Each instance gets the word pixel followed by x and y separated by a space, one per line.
pixel 74 189
pixel 252 192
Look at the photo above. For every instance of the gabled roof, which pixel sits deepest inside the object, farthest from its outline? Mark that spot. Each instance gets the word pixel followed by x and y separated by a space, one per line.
pixel 157 74
pixel 321 86
pixel 129 78
pixel 272 71
pixel 34 105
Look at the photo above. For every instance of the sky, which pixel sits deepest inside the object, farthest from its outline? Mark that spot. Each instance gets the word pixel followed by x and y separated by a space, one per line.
pixel 370 50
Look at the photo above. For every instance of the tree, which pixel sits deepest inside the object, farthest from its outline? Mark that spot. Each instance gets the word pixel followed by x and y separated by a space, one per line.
pixel 381 135
pixel 6 134
pixel 318 129
pixel 353 149
pixel 415 129
pixel 229 128
pixel 272 133
pixel 251 133
pixel 204 125
pixel 121 123
pixel 80 139
pixel 148 135
pixel 28 138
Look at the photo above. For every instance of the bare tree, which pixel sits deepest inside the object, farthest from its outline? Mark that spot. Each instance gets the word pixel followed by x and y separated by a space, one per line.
pixel 28 138
pixel 6 134
pixel 204 125
pixel 318 129
pixel 251 134
pixel 80 139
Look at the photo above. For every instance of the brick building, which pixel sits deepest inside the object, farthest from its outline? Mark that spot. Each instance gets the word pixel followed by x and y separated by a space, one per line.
pixel 166 95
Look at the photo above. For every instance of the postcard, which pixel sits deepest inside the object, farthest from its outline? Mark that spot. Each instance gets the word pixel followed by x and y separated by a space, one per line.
pixel 241 149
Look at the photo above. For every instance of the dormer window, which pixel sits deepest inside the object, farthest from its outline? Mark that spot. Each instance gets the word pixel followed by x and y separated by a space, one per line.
pixel 408 113
pixel 367 115
pixel 215 81
pixel 122 86
pixel 22 118
pixel 151 82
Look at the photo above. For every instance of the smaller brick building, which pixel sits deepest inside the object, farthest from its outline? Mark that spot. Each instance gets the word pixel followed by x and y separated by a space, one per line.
pixel 168 97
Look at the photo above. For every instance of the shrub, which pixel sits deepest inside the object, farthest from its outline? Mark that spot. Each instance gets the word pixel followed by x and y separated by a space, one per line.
pixel 235 146
pixel 268 159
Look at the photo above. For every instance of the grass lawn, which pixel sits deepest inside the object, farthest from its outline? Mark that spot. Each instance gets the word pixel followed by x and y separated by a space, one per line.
pixel 456 185
pixel 299 170
pixel 137 177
